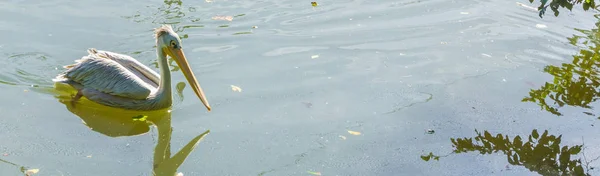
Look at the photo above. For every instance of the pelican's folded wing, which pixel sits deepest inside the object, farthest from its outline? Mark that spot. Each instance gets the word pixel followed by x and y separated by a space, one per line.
pixel 148 75
pixel 107 76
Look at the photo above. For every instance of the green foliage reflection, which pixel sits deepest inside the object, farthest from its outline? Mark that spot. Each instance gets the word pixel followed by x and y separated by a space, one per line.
pixel 575 83
pixel 556 4
pixel 539 153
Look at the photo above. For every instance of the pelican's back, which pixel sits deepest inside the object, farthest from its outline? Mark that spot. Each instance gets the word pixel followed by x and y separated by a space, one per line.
pixel 99 72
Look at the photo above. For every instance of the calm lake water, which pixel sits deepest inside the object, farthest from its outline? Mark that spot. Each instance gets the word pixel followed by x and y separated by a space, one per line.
pixel 410 76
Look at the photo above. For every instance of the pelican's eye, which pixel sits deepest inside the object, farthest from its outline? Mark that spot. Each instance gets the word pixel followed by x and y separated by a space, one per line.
pixel 173 44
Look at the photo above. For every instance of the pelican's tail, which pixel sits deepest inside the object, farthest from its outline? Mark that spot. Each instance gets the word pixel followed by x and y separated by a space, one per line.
pixel 92 51
pixel 60 78
pixel 92 54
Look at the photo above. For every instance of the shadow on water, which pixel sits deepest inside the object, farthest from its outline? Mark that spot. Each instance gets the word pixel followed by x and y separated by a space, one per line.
pixel 541 153
pixel 576 83
pixel 115 122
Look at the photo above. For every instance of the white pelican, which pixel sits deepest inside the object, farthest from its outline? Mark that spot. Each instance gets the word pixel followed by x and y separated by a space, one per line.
pixel 120 81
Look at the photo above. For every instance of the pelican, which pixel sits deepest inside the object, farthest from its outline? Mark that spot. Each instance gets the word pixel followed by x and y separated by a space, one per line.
pixel 120 81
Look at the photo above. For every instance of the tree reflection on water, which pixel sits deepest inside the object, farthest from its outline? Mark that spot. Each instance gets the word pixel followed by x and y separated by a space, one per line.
pixel 539 153
pixel 576 83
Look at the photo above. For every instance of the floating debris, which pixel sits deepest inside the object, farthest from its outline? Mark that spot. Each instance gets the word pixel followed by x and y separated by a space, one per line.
pixel 541 26
pixel 236 88
pixel 89 156
pixel 343 137
pixel 464 13
pixel 179 174
pixel 240 33
pixel 314 56
pixel 226 18
pixel 30 172
pixel 354 132
pixel 486 55
pixel 314 173
pixel 254 27
pixel 430 131
pixel 314 4
pixel 140 118
pixel 527 7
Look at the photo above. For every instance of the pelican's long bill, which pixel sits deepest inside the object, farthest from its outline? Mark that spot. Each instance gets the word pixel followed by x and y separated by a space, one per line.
pixel 179 57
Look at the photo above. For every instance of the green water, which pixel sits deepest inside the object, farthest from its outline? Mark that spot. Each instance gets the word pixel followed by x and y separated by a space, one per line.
pixel 434 87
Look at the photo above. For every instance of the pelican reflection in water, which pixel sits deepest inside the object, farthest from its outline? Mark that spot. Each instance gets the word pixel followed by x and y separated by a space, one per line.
pixel 120 81
pixel 117 122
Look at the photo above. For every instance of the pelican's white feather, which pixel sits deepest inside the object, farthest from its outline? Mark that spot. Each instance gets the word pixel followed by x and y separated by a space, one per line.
pixel 111 73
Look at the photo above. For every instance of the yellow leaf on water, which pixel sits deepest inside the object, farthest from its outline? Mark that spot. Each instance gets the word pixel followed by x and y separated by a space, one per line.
pixel 314 173
pixel 226 18
pixel 314 4
pixel 236 88
pixel 140 118
pixel 354 132
pixel 32 171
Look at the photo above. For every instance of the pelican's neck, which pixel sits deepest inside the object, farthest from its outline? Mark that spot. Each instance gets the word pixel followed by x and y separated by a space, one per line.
pixel 164 88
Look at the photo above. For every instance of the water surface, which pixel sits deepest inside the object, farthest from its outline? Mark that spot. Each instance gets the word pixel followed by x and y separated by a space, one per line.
pixel 409 75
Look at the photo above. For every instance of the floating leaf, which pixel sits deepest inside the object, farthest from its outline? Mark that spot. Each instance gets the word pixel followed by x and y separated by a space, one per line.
pixel 314 4
pixel 31 171
pixel 89 156
pixel 354 132
pixel 236 88
pixel 225 18
pixel 527 7
pixel 140 118
pixel 314 173
pixel 240 33
pixel 541 26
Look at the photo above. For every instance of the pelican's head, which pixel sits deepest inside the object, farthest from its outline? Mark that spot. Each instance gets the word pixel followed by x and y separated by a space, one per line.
pixel 168 41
